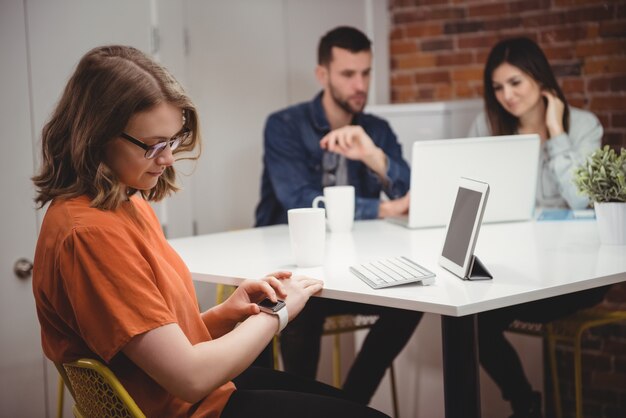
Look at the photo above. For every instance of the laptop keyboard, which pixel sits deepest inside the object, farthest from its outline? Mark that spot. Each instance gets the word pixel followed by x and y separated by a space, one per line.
pixel 392 272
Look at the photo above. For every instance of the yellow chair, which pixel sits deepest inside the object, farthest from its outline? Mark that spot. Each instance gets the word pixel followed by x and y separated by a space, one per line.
pixel 570 330
pixel 61 390
pixel 96 390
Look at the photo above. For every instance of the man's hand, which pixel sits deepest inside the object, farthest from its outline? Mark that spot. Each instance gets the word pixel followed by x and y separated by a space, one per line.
pixel 396 207
pixel 355 144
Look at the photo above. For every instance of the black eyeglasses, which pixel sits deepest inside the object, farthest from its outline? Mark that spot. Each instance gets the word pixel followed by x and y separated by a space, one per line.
pixel 154 150
pixel 330 163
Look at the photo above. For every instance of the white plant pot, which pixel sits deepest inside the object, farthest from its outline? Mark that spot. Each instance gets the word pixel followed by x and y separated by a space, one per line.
pixel 611 220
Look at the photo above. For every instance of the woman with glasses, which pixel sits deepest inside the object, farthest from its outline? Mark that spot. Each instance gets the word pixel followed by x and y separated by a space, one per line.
pixel 522 96
pixel 107 284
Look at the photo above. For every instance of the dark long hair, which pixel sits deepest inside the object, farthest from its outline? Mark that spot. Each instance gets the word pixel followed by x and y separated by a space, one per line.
pixel 110 84
pixel 526 55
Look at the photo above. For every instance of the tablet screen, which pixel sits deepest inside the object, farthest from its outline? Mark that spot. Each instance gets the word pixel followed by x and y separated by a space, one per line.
pixel 464 213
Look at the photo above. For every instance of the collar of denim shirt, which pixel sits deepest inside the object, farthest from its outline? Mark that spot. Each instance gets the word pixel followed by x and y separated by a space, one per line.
pixel 318 116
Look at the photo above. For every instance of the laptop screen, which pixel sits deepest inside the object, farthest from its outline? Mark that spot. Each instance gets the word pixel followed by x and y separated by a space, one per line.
pixel 509 164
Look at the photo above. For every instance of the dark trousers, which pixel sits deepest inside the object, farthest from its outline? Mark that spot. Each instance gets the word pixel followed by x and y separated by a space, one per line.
pixel 300 343
pixel 263 392
pixel 497 355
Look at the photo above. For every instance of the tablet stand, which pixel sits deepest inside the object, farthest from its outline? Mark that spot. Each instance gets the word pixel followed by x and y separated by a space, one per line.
pixel 478 271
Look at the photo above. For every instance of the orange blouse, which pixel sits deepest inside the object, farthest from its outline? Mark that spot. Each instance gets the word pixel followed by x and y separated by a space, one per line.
pixel 102 277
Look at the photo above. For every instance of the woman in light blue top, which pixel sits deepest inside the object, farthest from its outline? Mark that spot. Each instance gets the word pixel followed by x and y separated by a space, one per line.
pixel 523 97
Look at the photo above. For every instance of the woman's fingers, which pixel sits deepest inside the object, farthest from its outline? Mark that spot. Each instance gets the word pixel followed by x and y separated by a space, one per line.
pixel 306 282
pixel 276 285
pixel 253 309
pixel 259 289
pixel 281 274
pixel 314 288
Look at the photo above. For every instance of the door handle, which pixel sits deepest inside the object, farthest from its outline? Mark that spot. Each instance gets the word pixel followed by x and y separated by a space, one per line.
pixel 23 268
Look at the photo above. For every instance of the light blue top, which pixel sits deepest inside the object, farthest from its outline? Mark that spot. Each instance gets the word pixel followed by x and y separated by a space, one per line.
pixel 559 157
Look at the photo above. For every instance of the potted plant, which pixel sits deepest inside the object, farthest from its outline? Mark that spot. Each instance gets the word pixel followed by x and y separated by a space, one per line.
pixel 603 178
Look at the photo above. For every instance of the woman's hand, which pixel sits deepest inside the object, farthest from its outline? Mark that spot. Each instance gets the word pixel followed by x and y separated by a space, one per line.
pixel 299 289
pixel 554 113
pixel 243 302
pixel 279 285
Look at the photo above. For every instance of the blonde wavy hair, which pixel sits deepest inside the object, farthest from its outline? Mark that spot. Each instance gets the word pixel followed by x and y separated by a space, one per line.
pixel 110 84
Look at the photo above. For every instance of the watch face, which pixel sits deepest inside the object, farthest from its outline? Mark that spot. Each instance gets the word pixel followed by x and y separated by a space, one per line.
pixel 267 305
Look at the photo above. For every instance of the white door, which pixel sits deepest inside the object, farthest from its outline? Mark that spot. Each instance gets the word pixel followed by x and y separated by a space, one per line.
pixel 21 362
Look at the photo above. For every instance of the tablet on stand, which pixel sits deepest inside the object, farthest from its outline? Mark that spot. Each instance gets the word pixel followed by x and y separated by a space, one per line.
pixel 457 254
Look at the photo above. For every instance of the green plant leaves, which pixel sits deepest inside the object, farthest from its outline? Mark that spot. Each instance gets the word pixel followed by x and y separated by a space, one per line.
pixel 603 176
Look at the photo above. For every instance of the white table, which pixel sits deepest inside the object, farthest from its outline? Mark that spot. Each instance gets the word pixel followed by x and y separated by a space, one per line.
pixel 528 260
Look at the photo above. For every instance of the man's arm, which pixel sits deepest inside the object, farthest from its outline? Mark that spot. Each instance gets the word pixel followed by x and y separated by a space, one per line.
pixel 355 144
pixel 383 157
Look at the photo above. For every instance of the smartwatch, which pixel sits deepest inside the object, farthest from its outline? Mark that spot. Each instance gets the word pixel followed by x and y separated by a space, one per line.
pixel 279 309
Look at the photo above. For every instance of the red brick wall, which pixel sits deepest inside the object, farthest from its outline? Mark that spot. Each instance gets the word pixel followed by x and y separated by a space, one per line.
pixel 438 49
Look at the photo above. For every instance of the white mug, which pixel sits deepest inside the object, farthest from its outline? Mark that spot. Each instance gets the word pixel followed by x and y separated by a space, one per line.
pixel 307 231
pixel 339 202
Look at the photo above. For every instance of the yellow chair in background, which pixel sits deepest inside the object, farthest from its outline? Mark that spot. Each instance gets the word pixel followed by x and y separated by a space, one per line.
pixel 570 330
pixel 96 391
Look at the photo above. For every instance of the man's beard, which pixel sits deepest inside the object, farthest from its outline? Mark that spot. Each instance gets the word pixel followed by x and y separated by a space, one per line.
pixel 345 104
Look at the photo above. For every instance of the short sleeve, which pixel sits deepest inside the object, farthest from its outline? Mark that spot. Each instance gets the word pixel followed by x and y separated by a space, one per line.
pixel 111 287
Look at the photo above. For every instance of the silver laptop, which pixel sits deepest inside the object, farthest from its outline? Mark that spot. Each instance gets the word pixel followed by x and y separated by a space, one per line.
pixel 508 163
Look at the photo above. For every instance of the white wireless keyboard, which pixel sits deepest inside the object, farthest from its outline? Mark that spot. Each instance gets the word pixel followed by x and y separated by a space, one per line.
pixel 392 272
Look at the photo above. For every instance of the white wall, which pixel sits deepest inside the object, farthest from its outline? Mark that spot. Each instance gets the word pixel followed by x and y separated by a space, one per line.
pixel 306 22
pixel 237 72
pixel 423 121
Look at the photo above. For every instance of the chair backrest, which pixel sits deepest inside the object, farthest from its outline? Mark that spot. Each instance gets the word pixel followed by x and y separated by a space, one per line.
pixel 96 390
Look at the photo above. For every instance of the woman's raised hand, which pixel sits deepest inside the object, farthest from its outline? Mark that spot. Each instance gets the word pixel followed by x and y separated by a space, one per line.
pixel 554 113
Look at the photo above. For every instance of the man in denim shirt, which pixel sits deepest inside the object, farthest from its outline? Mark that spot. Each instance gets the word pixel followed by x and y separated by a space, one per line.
pixel 327 142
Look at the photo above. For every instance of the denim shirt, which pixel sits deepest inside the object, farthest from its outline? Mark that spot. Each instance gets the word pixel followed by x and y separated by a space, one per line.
pixel 292 173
